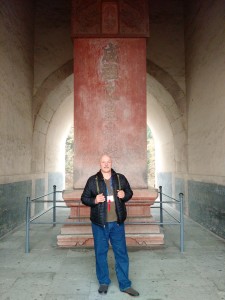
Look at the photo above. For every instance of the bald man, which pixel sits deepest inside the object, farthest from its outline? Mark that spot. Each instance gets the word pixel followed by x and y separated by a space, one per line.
pixel 106 193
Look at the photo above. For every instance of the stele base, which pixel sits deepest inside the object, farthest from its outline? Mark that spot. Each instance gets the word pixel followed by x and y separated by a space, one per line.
pixel 139 230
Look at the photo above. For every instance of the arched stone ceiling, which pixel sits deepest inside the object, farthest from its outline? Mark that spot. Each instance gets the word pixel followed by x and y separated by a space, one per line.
pixel 165 121
pixel 169 84
pixel 59 87
pixel 54 79
pixel 49 85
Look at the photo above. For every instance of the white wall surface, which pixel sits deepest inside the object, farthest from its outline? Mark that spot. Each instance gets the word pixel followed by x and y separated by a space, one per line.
pixel 205 53
pixel 16 86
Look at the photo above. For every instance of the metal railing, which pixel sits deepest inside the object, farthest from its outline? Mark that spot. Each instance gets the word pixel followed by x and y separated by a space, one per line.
pixel 32 220
pixel 175 221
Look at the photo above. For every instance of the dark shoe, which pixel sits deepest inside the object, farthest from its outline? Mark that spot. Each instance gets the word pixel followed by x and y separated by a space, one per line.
pixel 103 289
pixel 130 291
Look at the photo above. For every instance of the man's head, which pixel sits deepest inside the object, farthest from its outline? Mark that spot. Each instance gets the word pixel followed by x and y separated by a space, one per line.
pixel 105 164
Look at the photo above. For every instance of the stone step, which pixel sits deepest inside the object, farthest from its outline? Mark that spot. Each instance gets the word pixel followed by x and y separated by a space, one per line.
pixel 76 229
pixel 130 228
pixel 67 241
pixel 143 240
pixel 130 219
pixel 139 231
pixel 86 240
pixel 142 228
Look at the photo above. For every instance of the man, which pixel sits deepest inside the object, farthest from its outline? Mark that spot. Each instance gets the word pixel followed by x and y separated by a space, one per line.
pixel 106 194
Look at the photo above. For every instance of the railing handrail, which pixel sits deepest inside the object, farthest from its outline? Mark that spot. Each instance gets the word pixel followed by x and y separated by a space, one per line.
pixel 40 197
pixel 30 220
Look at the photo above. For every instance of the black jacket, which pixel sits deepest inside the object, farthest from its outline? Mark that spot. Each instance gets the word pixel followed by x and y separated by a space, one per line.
pixel 96 185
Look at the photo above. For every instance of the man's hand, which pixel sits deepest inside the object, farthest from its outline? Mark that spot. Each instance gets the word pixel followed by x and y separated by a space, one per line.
pixel 99 198
pixel 120 194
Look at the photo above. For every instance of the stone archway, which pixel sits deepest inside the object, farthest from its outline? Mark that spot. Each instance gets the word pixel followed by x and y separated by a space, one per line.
pixel 53 108
pixel 166 124
pixel 50 84
pixel 168 100
pixel 169 85
pixel 52 122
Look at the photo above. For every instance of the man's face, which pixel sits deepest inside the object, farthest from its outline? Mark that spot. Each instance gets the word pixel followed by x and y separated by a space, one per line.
pixel 105 164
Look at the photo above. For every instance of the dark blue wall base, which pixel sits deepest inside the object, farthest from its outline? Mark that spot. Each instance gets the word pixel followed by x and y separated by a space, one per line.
pixel 207 205
pixel 165 180
pixel 205 201
pixel 13 199
pixel 39 191
pixel 57 179
pixel 13 204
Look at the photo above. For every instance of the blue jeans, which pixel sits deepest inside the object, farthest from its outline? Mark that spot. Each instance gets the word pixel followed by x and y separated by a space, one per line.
pixel 116 234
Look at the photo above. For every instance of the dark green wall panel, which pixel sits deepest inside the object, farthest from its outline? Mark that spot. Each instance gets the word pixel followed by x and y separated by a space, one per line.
pixel 165 180
pixel 207 205
pixel 39 191
pixel 12 204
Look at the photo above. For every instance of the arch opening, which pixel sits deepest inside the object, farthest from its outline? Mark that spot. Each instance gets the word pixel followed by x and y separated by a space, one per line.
pixel 55 119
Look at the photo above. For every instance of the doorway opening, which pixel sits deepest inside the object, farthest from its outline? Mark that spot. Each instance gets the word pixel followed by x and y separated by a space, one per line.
pixel 69 155
pixel 150 158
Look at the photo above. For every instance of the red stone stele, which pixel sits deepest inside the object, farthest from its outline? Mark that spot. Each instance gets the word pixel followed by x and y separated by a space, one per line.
pixel 110 112
pixel 108 18
pixel 110 107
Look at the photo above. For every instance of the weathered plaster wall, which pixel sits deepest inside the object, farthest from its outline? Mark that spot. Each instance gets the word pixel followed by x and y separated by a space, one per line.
pixel 58 131
pixel 205 52
pixel 205 49
pixel 53 66
pixel 16 86
pixel 53 44
pixel 167 110
pixel 165 119
pixel 166 43
pixel 18 177
pixel 43 140
pixel 160 125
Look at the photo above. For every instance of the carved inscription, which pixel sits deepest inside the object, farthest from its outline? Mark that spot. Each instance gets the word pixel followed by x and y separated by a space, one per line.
pixel 118 18
pixel 110 76
pixel 86 17
pixel 109 18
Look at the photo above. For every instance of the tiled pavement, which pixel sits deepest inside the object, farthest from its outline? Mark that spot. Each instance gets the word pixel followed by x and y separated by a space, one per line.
pixel 50 273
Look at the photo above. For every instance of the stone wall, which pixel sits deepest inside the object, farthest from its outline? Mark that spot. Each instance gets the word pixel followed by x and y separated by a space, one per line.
pixel 205 73
pixel 53 43
pixel 205 51
pixel 167 111
pixel 53 86
pixel 16 86
pixel 17 179
pixel 166 44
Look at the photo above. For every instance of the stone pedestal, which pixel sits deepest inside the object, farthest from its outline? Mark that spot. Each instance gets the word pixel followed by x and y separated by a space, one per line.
pixel 139 231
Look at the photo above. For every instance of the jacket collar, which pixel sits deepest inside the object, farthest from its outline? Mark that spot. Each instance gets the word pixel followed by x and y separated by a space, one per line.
pixel 100 176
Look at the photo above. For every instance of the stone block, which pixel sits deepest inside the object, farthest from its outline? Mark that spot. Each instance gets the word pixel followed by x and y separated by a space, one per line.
pixel 133 240
pixel 139 230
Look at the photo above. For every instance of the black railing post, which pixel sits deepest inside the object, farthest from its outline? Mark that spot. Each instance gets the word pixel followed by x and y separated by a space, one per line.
pixel 181 198
pixel 161 206
pixel 27 242
pixel 54 205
